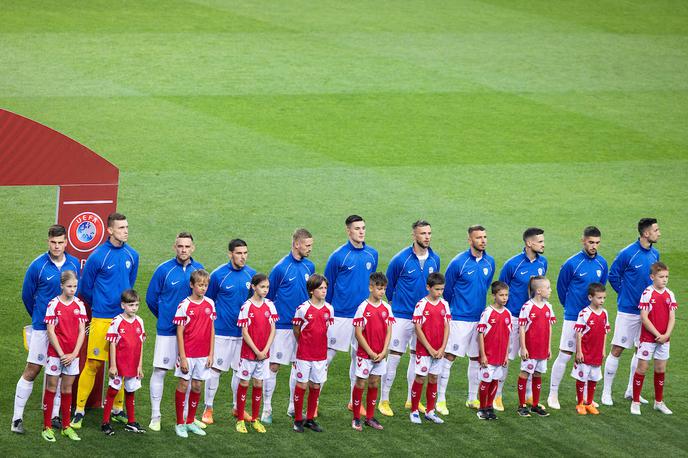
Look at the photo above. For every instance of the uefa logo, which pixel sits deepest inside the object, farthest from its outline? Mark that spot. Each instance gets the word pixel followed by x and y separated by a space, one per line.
pixel 86 231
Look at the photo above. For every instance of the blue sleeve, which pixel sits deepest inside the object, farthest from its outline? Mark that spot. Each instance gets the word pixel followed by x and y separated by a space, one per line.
pixel 275 278
pixel 392 277
pixel 134 271
pixel 29 289
pixel 331 270
pixel 546 263
pixel 439 264
pixel 212 287
pixel 494 267
pixel 563 282
pixel 505 274
pixel 88 278
pixel 616 271
pixel 605 274
pixel 153 292
pixel 449 282
pixel 376 262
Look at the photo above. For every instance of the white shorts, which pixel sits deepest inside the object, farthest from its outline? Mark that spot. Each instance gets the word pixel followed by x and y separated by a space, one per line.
pixel 534 365
pixel 341 334
pixel 626 330
pixel 586 373
pixel 227 352
pixel 489 373
pixel 463 339
pixel 403 336
pixel 55 367
pixel 311 371
pixel 514 340
pixel 283 348
pixel 38 346
pixel 568 337
pixel 366 367
pixel 197 369
pixel 650 350
pixel 166 351
pixel 428 365
pixel 250 368
pixel 131 384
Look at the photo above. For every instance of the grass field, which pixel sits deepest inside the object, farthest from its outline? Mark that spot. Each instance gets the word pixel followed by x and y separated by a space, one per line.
pixel 249 119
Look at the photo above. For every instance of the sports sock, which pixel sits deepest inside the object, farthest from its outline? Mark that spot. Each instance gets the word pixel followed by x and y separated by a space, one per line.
pixel 299 394
pixel 86 380
pixel 352 375
pixel 431 396
pixel 500 384
pixel 241 401
pixel 637 386
pixel 356 402
pixel 186 401
pixel 416 390
pixel 610 367
pixel 129 402
pixel 659 386
pixel 157 383
pixel 388 379
pixel 256 397
pixel 558 370
pixel 21 396
pixel 109 399
pixel 493 391
pixel 211 386
pixel 580 391
pixel 313 396
pixel 537 385
pixel 591 392
pixel 410 375
pixel 483 394
pixel 521 387
pixel 331 353
pixel 634 365
pixel 66 407
pixel 371 401
pixel 48 398
pixel 58 398
pixel 529 387
pixel 235 389
pixel 268 388
pixel 179 397
pixel 472 373
pixel 194 397
pixel 292 385
pixel 444 381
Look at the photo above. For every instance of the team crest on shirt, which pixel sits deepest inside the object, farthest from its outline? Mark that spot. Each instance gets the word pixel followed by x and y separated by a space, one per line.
pixel 598 272
pixel 368 265
pixel 248 285
pixel 442 312
pixel 128 264
pixel 305 276
pixel 384 314
pixel 485 270
pixel 539 270
pixel 86 231
pixel 546 314
pixel 327 316
pixel 431 269
pixel 76 311
pixel 267 314
pixel 507 320
pixel 138 330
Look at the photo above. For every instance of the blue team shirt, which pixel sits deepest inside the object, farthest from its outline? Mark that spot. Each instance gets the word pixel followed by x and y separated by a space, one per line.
pixel 629 275
pixel 288 287
pixel 348 272
pixel 407 280
pixel 108 272
pixel 167 288
pixel 516 273
pixel 229 288
pixel 42 284
pixel 575 276
pixel 468 279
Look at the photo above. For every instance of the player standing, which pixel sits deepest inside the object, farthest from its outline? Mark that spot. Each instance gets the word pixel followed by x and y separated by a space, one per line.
pixel 407 274
pixel 629 275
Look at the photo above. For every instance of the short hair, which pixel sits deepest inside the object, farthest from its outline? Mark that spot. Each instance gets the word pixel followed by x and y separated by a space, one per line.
pixel 420 223
pixel 300 234
pixel 185 235
pixel 353 219
pixel 475 228
pixel 658 267
pixel 534 284
pixel 56 230
pixel 595 287
pixel 498 286
pixel 532 232
pixel 378 279
pixel 591 231
pixel 198 275
pixel 235 243
pixel 645 224
pixel 130 295
pixel 314 282
pixel 435 278
pixel 67 275
pixel 258 278
pixel 112 217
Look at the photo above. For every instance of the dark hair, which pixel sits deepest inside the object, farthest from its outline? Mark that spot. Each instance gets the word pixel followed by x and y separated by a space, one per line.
pixel 314 282
pixel 353 219
pixel 300 234
pixel 591 231
pixel 435 278
pixel 378 279
pixel 198 275
pixel 185 235
pixel 56 230
pixel 419 223
pixel 235 243
pixel 112 217
pixel 474 228
pixel 645 224
pixel 130 295
pixel 532 232
pixel 658 267
pixel 498 286
pixel 258 278
pixel 595 287
pixel 67 275
pixel 533 280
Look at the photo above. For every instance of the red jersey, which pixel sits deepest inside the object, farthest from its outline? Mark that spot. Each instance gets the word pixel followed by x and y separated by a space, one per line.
pixel 495 327
pixel 128 338
pixel 658 305
pixel 66 318
pixel 432 319
pixel 313 322
pixel 538 321
pixel 374 321
pixel 260 320
pixel 594 326
pixel 197 319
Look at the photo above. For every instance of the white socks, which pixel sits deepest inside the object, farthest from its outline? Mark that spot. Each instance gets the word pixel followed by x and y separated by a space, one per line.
pixel 268 388
pixel 235 386
pixel 410 375
pixel 500 385
pixel 21 395
pixel 388 379
pixel 444 381
pixel 292 386
pixel 352 376
pixel 157 383
pixel 558 370
pixel 58 399
pixel 610 367
pixel 211 386
pixel 634 366
pixel 472 372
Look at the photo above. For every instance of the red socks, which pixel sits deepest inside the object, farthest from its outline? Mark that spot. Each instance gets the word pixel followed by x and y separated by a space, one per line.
pixel 256 396
pixel 416 390
pixel 637 386
pixel 659 387
pixel 48 399
pixel 537 384
pixel 241 401
pixel 356 397
pixel 299 394
pixel 109 399
pixel 371 401
pixel 66 409
pixel 313 395
pixel 494 384
pixel 580 389
pixel 193 405
pixel 591 392
pixel 484 394
pixel 129 402
pixel 522 390
pixel 431 396
pixel 179 397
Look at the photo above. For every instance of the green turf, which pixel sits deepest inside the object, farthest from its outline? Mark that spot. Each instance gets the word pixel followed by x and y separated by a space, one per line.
pixel 250 119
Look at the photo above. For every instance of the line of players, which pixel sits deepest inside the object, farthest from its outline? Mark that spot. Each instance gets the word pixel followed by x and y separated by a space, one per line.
pixel 113 267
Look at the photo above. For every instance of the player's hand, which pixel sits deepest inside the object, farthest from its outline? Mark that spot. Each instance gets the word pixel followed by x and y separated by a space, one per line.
pixel 579 357
pixel 661 339
pixel 260 356
pixel 140 373
pixel 483 361
pixel 113 370
pixel 209 362
pixel 184 365
pixel 524 354
pixel 382 355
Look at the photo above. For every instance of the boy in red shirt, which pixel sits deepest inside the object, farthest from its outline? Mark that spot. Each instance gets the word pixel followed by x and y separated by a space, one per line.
pixel 126 335
pixel 373 330
pixel 535 332
pixel 591 335
pixel 257 319
pixel 65 319
pixel 494 332
pixel 431 319
pixel 195 342
pixel 311 320
pixel 658 314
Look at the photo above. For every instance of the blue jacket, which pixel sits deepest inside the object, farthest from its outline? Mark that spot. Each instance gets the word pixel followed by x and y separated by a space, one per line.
pixel 167 288
pixel 574 277
pixel 630 275
pixel 42 284
pixel 108 272
pixel 516 273
pixel 468 280
pixel 407 280
pixel 288 287
pixel 348 272
pixel 229 288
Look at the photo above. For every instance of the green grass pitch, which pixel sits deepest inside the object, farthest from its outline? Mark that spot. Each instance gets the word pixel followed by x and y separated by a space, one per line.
pixel 249 119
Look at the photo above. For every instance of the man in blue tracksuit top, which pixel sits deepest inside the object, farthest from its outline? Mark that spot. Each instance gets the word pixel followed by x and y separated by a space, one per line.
pixel 169 286
pixel 109 271
pixel 629 275
pixel 41 285
pixel 468 277
pixel 348 272
pixel 230 287
pixel 407 275
pixel 287 291
pixel 581 269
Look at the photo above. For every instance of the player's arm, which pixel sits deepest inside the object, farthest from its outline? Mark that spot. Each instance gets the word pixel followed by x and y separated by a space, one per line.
pixel 363 343
pixel 522 339
pixel 481 349
pixel 271 337
pixel 139 370
pixel 211 354
pixel 616 271
pixel 79 342
pixel 52 338
pixel 134 270
pixel 392 277
pixel 183 362
pixel 275 279
pixel 563 282
pixel 154 290
pixel 420 335
pixel 29 289
pixel 331 271
pixel 505 274
pixel 449 282
pixel 113 359
pixel 647 324
pixel 579 347
pixel 249 342
pixel 213 287
pixel 297 332
pixel 605 273
pixel 388 337
pixel 88 278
